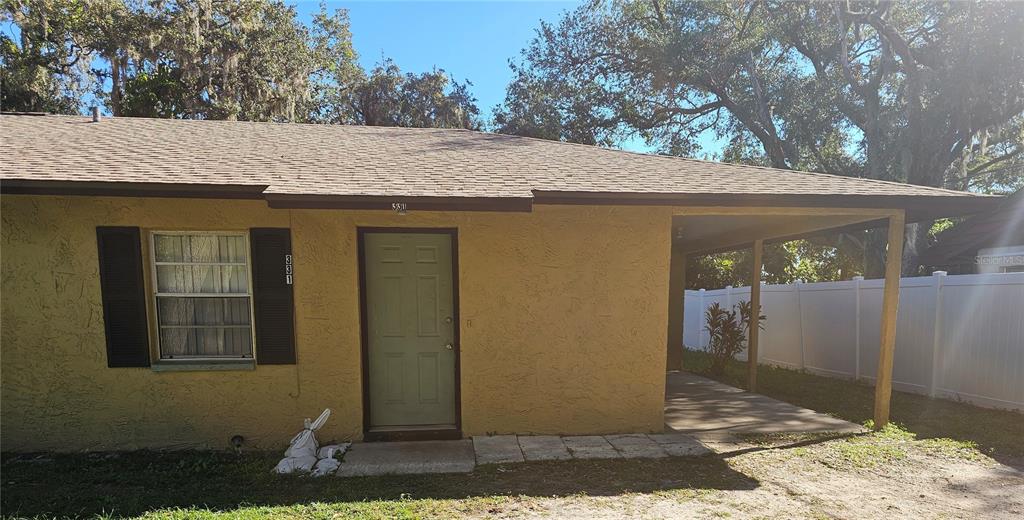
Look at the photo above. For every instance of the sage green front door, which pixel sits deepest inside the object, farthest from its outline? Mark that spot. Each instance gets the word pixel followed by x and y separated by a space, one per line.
pixel 410 329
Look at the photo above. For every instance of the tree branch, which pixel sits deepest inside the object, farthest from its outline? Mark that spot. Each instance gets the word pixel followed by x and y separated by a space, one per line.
pixel 992 162
pixel 658 12
pixel 844 54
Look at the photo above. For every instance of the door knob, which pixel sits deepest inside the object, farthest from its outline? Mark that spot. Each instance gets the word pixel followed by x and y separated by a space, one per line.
pixel 449 346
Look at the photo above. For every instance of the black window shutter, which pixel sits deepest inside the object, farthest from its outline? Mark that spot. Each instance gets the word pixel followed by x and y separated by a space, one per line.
pixel 124 296
pixel 272 295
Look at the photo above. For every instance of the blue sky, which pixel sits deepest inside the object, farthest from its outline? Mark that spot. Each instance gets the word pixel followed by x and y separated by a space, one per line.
pixel 470 40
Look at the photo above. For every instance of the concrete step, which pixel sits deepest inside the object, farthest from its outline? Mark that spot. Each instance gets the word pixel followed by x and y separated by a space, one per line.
pixel 401 458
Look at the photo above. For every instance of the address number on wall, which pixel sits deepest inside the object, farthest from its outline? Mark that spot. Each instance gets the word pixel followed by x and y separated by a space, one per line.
pixel 288 269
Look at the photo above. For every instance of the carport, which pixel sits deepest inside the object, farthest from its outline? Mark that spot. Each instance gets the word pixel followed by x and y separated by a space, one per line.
pixel 705 230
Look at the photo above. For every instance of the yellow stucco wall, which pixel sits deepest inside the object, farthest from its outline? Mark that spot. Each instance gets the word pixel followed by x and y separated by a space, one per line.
pixel 563 326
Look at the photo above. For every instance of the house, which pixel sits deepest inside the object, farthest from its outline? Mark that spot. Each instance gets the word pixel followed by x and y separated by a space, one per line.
pixel 172 283
pixel 991 242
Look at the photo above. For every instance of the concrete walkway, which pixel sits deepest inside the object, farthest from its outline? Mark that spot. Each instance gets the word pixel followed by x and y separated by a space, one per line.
pixel 402 458
pixel 701 415
pixel 697 405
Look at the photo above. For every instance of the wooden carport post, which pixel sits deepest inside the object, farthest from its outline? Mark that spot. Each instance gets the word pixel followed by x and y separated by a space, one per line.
pixel 890 305
pixel 755 311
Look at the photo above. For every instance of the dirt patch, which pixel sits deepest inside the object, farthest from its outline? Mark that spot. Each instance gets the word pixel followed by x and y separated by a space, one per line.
pixel 873 476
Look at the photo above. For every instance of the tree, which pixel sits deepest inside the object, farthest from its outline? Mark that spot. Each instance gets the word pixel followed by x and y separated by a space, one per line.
pixel 995 164
pixel 668 72
pixel 41 69
pixel 925 83
pixel 822 258
pixel 910 92
pixel 388 97
pixel 546 108
pixel 249 60
pixel 199 59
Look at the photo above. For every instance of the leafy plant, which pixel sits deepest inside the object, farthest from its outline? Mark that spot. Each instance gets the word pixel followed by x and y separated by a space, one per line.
pixel 728 330
pixel 746 310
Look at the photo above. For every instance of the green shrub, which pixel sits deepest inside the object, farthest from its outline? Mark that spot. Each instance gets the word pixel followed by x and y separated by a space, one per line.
pixel 727 331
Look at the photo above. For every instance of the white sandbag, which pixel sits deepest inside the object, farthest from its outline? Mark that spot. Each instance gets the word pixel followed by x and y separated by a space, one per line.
pixel 295 465
pixel 304 443
pixel 328 456
pixel 325 467
pixel 300 457
pixel 332 451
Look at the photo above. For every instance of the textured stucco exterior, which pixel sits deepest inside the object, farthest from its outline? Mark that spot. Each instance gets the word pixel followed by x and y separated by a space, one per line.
pixel 563 326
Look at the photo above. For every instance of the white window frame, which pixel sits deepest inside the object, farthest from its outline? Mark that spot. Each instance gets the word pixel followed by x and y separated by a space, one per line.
pixel 155 294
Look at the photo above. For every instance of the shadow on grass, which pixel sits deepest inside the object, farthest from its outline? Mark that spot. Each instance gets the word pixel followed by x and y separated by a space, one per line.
pixel 132 483
pixel 787 441
pixel 996 433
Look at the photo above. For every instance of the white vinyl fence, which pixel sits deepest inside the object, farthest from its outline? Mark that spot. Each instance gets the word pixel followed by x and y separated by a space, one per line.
pixel 959 337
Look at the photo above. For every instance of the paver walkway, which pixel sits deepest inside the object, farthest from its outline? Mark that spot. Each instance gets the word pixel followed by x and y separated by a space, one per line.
pixel 701 415
pixel 502 449
pixel 397 458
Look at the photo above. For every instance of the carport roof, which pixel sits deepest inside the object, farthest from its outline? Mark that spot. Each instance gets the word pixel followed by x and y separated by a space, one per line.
pixel 306 165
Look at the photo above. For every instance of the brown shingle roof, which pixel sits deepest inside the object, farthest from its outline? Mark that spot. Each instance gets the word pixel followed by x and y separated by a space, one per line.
pixel 333 160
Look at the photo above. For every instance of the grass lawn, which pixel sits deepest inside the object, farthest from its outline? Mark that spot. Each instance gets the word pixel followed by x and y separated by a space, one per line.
pixel 204 484
pixel 997 433
pixel 942 471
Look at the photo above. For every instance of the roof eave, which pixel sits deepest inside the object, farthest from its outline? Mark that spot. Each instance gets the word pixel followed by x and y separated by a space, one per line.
pixel 918 207
pixel 392 202
pixel 132 189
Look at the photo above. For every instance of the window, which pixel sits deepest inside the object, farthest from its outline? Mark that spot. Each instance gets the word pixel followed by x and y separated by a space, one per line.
pixel 203 295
